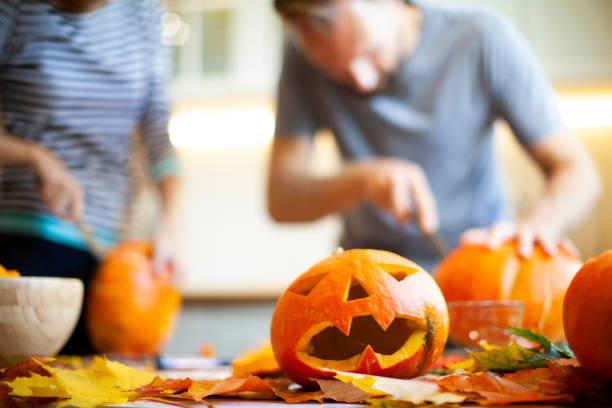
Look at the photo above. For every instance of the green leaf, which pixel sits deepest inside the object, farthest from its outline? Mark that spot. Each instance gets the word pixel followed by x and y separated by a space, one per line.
pixel 554 351
pixel 515 357
pixel 531 336
pixel 563 349
pixel 511 358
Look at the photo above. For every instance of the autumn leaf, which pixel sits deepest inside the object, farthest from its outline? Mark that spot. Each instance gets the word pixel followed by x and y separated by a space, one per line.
pixel 161 387
pixel 198 390
pixel 4 273
pixel 341 392
pixel 412 391
pixel 6 401
pixel 514 356
pixel 285 389
pixel 260 361
pixel 554 351
pixel 510 358
pixel 561 376
pixel 489 388
pixel 251 387
pixel 25 369
pixel 102 383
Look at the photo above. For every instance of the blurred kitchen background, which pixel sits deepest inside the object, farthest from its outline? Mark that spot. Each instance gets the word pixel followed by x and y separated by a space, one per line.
pixel 227 54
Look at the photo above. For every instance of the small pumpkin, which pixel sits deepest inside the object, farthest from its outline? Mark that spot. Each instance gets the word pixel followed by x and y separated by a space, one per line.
pixel 365 311
pixel 587 316
pixel 474 272
pixel 129 309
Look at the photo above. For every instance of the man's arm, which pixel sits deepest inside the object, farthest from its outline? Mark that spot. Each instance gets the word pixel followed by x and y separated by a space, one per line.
pixel 396 186
pixel 571 189
pixel 296 196
pixel 521 94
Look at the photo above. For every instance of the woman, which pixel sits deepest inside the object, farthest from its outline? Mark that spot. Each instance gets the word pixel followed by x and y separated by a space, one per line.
pixel 76 79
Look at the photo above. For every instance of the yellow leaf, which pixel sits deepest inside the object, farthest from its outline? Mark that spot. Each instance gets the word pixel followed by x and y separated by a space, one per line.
pixel 510 358
pixel 37 386
pixel 469 364
pixel 413 391
pixel 102 383
pixel 4 273
pixel 258 361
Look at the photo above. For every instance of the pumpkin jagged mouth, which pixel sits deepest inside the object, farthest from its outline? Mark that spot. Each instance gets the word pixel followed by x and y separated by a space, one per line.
pixel 325 346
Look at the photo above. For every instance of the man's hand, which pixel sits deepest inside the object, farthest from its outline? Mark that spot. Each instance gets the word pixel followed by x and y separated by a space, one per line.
pixel 401 188
pixel 58 189
pixel 527 235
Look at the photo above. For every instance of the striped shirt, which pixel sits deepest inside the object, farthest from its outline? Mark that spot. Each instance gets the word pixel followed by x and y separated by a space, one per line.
pixel 80 84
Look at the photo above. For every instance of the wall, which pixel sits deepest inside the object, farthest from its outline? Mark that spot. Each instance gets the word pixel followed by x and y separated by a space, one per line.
pixel 570 37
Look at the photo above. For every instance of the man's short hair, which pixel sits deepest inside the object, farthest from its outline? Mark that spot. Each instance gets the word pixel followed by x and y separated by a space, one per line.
pixel 318 11
pixel 321 11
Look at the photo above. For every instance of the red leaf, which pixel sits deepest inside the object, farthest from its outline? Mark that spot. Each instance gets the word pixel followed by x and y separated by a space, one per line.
pixel 342 392
pixel 160 388
pixel 282 388
pixel 6 401
pixel 493 389
pixel 25 368
pixel 445 362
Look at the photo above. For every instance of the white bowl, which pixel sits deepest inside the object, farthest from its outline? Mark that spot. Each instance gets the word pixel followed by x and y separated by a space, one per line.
pixel 37 316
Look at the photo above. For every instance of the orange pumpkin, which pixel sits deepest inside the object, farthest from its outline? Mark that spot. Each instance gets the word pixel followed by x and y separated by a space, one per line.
pixel 129 309
pixel 587 316
pixel 365 311
pixel 474 272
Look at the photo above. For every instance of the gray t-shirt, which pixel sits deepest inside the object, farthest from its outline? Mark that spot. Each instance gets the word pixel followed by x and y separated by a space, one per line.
pixel 437 110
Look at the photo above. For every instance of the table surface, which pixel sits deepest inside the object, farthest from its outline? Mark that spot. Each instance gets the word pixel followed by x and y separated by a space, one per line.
pixel 238 403
pixel 224 372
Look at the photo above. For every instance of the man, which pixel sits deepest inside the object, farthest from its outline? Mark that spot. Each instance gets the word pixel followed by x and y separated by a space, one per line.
pixel 411 93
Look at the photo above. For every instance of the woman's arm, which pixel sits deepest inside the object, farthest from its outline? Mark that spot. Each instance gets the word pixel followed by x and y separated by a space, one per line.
pixel 57 188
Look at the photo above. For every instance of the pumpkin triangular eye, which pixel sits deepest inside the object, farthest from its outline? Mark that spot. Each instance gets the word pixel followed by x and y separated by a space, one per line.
pixel 306 285
pixel 356 291
pixel 399 272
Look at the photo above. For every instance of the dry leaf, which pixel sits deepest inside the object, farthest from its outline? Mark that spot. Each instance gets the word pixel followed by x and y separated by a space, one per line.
pixel 259 361
pixel 413 391
pixel 102 383
pixel 342 392
pixel 561 376
pixel 515 356
pixel 25 369
pixel 207 350
pixel 4 273
pixel 251 387
pixel 292 393
pixel 489 388
pixel 162 387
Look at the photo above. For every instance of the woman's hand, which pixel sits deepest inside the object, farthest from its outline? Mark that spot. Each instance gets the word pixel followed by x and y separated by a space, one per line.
pixel 58 189
pixel 164 251
pixel 164 242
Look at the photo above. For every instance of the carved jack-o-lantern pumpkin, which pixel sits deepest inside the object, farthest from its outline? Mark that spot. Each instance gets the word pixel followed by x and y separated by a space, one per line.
pixel 365 311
